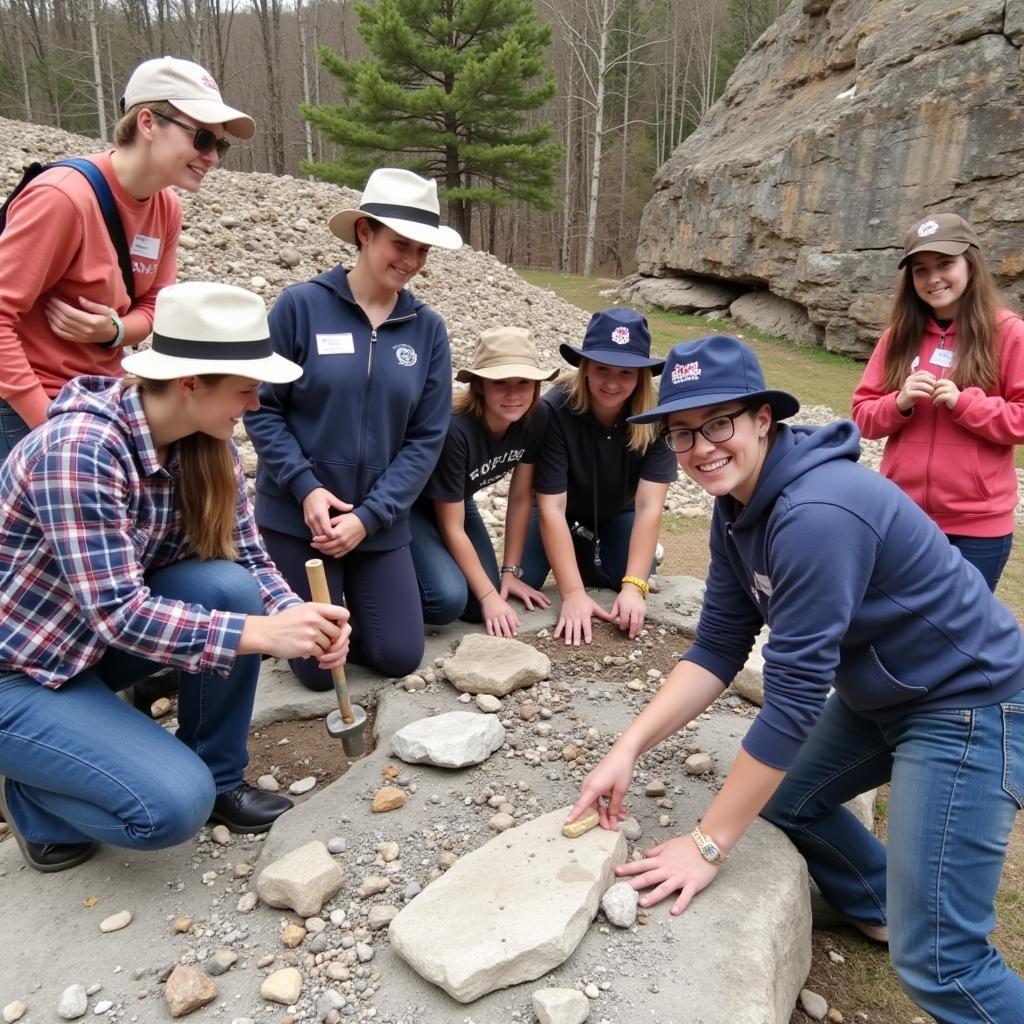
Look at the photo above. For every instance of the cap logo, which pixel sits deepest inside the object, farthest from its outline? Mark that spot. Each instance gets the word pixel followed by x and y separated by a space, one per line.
pixel 929 227
pixel 621 335
pixel 208 82
pixel 685 373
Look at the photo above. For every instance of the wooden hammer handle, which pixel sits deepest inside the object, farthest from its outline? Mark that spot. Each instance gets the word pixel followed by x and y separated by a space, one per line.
pixel 322 595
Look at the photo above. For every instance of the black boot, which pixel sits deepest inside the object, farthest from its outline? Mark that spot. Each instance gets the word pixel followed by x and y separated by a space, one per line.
pixel 46 857
pixel 248 809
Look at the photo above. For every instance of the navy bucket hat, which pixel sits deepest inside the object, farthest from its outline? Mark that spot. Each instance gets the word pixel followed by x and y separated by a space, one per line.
pixel 712 371
pixel 616 337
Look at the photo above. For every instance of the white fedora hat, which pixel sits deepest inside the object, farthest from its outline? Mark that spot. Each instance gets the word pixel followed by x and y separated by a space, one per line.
pixel 402 201
pixel 191 88
pixel 200 327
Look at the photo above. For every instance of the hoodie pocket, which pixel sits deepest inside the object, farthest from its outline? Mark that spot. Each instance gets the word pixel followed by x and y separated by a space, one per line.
pixel 1013 747
pixel 340 478
pixel 865 684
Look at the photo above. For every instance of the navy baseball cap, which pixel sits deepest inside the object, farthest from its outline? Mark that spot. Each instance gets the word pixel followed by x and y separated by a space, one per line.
pixel 617 337
pixel 712 371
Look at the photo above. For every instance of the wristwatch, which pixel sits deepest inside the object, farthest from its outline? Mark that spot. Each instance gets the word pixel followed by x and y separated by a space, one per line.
pixel 119 328
pixel 516 570
pixel 708 847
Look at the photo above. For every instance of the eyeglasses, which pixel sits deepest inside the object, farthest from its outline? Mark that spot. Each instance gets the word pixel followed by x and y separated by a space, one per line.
pixel 721 428
pixel 205 141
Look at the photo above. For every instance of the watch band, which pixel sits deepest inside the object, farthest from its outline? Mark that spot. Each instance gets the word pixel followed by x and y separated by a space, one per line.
pixel 118 323
pixel 709 849
pixel 516 570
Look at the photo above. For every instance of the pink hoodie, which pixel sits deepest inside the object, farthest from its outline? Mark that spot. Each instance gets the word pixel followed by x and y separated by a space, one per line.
pixel 957 464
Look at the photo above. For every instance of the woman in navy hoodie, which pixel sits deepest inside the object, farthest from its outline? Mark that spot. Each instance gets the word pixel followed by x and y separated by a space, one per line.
pixel 346 449
pixel 862 593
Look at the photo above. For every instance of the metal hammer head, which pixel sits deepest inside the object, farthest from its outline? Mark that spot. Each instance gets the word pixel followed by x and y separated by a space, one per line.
pixel 351 736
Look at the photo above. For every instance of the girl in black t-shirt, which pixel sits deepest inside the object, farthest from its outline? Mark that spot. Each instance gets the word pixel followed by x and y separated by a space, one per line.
pixel 492 432
pixel 600 482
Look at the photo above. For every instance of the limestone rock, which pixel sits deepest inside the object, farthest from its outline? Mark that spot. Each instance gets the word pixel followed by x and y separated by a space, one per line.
pixel 73 1002
pixel 380 916
pixel 187 989
pixel 677 294
pixel 388 798
pixel 495 665
pixel 488 704
pixel 560 1006
pixel 619 905
pixel 14 1011
pixel 116 922
pixel 814 1005
pixel 453 740
pixel 509 911
pixel 284 986
pixel 302 880
pixel 774 185
pixel 698 764
pixel 774 315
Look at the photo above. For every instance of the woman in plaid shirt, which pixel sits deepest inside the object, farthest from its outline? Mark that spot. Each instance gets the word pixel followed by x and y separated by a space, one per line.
pixel 127 544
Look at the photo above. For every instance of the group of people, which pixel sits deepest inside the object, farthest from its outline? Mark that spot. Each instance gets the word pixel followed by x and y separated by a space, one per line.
pixel 128 542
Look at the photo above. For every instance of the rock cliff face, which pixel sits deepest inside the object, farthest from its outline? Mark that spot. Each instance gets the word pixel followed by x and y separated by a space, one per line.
pixel 847 121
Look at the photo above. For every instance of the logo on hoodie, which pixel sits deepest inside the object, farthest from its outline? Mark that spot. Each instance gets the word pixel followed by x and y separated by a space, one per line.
pixel 406 355
pixel 621 335
pixel 685 373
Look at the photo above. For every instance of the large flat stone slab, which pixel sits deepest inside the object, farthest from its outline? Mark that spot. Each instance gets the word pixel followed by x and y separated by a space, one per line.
pixel 509 911
pixel 453 740
pixel 495 665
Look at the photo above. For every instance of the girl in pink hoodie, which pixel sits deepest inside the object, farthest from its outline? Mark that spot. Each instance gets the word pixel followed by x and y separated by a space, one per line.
pixel 945 385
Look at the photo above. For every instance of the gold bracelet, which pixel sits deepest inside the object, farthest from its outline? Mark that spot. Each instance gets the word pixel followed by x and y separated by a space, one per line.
pixel 641 585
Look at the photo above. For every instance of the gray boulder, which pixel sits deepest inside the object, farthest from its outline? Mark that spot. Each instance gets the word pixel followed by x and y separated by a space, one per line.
pixel 495 665
pixel 453 740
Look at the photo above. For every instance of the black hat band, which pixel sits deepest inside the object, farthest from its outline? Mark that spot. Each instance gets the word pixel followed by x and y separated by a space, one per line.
pixel 409 213
pixel 182 348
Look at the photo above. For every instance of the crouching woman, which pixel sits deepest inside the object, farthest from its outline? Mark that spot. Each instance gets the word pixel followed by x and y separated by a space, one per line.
pixel 127 544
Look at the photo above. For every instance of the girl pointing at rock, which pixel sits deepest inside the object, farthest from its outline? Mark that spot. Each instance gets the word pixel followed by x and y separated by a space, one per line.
pixel 862 594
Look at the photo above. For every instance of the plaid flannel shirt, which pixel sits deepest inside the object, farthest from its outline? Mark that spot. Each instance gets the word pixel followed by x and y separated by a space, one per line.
pixel 86 509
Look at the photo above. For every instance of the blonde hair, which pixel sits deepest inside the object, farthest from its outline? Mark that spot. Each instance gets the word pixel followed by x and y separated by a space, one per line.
pixel 977 352
pixel 640 436
pixel 470 400
pixel 127 128
pixel 207 487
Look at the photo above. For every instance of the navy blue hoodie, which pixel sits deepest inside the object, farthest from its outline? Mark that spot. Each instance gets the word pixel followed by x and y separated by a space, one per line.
pixel 860 590
pixel 366 419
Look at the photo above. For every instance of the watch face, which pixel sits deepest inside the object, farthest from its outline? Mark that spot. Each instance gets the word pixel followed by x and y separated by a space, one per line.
pixel 712 852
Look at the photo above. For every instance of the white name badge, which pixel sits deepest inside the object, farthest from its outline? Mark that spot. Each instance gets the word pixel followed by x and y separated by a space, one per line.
pixel 335 344
pixel 146 246
pixel 942 357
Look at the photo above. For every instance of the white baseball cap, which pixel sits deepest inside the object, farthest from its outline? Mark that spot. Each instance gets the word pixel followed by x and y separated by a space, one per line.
pixel 190 88
pixel 202 327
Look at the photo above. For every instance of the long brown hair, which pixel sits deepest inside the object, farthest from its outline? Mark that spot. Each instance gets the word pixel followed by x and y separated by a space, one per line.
pixel 207 488
pixel 640 436
pixel 471 400
pixel 977 353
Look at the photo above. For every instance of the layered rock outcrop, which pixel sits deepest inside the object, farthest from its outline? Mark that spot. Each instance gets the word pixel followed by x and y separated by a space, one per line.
pixel 846 121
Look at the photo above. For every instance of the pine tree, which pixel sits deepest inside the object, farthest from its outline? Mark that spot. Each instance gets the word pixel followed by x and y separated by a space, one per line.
pixel 447 92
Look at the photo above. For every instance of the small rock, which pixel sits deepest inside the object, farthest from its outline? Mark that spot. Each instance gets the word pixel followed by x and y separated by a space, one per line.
pixel 302 785
pixel 116 922
pixel 302 880
pixel 220 961
pixel 591 991
pixel 372 885
pixel 102 1007
pixel 181 925
pixel 528 712
pixel 336 844
pixel 813 1005
pixel 220 835
pixel 834 1016
pixel 292 936
pixel 631 829
pixel 619 905
pixel 247 903
pixel 187 989
pixel 388 798
pixel 698 764
pixel 284 986
pixel 364 952
pixel 655 788
pixel 289 257
pixel 380 916
pixel 836 958
pixel 389 852
pixel 413 682
pixel 560 1006
pixel 488 703
pixel 268 784
pixel 14 1011
pixel 315 925
pixel 501 822
pixel 570 752
pixel 159 707
pixel 634 684
pixel 73 1002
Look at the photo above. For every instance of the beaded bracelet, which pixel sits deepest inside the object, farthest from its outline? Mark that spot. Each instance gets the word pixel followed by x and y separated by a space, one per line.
pixel 641 585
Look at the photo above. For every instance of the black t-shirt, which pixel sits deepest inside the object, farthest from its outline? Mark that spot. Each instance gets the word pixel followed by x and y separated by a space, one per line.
pixel 579 451
pixel 473 458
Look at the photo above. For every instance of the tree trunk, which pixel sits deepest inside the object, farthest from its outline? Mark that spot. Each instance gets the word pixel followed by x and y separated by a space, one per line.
pixel 97 71
pixel 304 62
pixel 595 167
pixel 23 68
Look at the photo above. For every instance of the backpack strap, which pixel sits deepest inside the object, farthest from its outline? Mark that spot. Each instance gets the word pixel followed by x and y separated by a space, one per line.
pixel 105 198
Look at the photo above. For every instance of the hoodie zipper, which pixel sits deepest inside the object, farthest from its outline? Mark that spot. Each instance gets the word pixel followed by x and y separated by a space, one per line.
pixel 931 443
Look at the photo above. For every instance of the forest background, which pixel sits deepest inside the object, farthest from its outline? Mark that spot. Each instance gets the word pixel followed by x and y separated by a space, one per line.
pixel 633 78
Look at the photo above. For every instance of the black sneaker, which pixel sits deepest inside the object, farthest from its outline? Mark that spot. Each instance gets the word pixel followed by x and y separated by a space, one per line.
pixel 248 809
pixel 46 857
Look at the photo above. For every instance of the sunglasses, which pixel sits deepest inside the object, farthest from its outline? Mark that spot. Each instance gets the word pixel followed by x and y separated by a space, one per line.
pixel 204 140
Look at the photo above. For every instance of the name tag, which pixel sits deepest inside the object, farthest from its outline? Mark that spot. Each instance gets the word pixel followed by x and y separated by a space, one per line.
pixel 335 344
pixel 146 246
pixel 942 357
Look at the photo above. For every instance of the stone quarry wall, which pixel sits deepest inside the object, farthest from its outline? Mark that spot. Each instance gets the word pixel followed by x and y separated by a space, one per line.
pixel 847 121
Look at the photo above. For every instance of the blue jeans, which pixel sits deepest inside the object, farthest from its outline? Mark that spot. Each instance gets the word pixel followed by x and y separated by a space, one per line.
pixel 380 592
pixel 444 592
pixel 957 783
pixel 614 539
pixel 988 555
pixel 83 765
pixel 12 429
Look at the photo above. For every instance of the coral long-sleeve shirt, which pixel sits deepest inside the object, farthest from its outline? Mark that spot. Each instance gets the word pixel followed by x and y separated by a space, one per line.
pixel 56 243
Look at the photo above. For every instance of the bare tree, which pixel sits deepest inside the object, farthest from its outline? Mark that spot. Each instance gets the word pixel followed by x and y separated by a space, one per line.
pixel 269 15
pixel 97 71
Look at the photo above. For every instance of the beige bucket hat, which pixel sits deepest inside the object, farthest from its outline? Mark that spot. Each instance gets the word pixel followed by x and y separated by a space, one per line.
pixel 503 352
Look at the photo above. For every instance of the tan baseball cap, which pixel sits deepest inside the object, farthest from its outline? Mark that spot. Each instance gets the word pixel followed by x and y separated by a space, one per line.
pixel 190 88
pixel 947 233
pixel 503 352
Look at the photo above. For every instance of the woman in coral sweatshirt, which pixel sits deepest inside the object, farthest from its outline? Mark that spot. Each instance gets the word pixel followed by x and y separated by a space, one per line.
pixel 945 385
pixel 65 309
